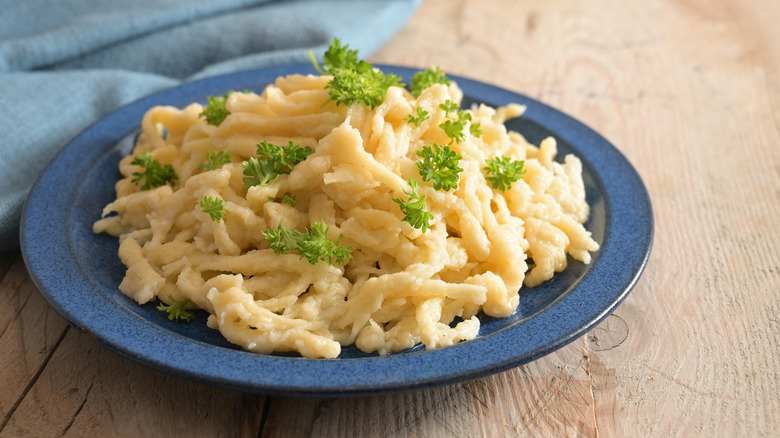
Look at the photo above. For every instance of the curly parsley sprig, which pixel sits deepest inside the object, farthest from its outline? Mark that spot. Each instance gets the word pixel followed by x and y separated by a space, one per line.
pixel 290 200
pixel 415 209
pixel 422 115
pixel 354 80
pixel 449 107
pixel 176 310
pixel 283 159
pixel 286 199
pixel 257 172
pixel 475 129
pixel 369 88
pixel 153 173
pixel 275 160
pixel 339 56
pixel 214 207
pixel 215 112
pixel 424 79
pixel 454 127
pixel 440 165
pixel 503 172
pixel 313 245
pixel 215 159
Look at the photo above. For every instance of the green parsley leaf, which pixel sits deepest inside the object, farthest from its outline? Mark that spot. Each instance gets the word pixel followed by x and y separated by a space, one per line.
pixel 449 107
pixel 369 88
pixel 154 174
pixel 415 209
pixel 422 115
pixel 283 159
pixel 339 56
pixel 290 200
pixel 276 160
pixel 215 111
pixel 258 173
pixel 354 80
pixel 176 310
pixel 504 172
pixel 475 129
pixel 213 207
pixel 439 164
pixel 454 127
pixel 215 159
pixel 283 239
pixel 316 246
pixel 286 199
pixel 424 79
pixel 313 245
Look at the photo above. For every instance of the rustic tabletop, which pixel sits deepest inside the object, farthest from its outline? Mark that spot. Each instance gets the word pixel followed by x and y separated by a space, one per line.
pixel 689 92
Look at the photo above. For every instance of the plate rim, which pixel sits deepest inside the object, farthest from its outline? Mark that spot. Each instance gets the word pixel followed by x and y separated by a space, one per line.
pixel 425 374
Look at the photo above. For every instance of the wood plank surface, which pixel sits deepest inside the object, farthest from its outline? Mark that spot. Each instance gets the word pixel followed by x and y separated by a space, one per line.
pixel 689 91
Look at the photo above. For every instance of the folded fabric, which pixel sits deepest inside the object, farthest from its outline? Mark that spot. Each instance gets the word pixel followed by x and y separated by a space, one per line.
pixel 64 65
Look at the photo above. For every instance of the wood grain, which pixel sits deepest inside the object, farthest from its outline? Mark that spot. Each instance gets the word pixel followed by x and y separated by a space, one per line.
pixel 66 384
pixel 689 94
pixel 689 91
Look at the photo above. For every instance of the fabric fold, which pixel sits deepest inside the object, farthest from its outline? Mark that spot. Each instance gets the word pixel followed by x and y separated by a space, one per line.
pixel 66 67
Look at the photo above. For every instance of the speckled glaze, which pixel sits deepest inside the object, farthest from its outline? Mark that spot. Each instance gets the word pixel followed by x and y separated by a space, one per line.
pixel 78 271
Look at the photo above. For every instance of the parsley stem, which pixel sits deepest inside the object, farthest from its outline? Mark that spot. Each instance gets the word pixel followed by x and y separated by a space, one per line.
pixel 316 64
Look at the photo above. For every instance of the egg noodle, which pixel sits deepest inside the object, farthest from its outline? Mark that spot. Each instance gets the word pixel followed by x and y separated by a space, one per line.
pixel 402 286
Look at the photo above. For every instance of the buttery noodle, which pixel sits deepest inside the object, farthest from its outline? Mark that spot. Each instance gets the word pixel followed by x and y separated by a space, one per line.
pixel 402 287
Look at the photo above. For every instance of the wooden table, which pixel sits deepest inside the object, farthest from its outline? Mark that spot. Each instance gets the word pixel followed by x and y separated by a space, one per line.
pixel 689 91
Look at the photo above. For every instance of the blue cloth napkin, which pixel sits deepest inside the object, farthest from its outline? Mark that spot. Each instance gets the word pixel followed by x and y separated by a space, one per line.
pixel 64 64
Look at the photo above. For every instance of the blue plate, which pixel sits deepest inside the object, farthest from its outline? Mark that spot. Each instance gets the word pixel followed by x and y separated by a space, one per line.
pixel 78 271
